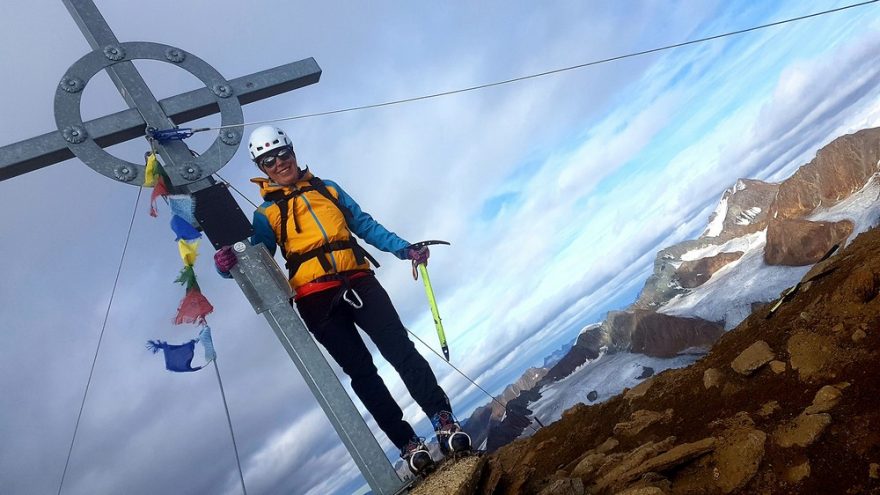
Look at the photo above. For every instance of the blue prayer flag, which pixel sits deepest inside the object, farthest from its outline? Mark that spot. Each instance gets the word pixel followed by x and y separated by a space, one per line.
pixel 184 229
pixel 208 343
pixel 177 357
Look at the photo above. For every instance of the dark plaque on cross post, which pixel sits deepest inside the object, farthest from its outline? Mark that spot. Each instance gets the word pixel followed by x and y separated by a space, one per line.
pixel 257 274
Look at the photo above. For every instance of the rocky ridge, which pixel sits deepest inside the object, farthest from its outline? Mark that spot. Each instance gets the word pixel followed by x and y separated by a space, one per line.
pixel 780 405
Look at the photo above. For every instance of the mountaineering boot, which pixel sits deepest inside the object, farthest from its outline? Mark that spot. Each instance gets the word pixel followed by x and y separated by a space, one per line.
pixel 416 456
pixel 450 436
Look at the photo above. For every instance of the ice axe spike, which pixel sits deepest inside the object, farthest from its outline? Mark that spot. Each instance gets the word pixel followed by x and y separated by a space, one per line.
pixel 422 269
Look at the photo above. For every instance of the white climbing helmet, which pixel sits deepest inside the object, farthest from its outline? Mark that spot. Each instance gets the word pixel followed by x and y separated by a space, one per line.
pixel 267 138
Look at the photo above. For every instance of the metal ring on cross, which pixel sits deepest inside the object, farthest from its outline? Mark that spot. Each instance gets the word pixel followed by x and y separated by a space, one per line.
pixel 68 114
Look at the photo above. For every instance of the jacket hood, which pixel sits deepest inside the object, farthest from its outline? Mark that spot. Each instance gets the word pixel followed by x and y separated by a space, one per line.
pixel 267 186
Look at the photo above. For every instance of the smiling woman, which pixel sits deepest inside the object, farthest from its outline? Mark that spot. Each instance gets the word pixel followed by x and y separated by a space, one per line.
pixel 314 222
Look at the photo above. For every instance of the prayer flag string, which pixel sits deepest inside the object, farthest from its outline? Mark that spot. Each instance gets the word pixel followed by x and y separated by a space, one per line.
pixel 194 307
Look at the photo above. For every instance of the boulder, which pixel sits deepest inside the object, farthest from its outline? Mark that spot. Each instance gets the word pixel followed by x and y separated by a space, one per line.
pixel 796 474
pixel 642 490
pixel 826 398
pixel 592 396
pixel 777 366
pixel 564 486
pixel 860 286
pixel 737 458
pixel 588 466
pixel 792 242
pixel 811 354
pixel 755 356
pixel 657 334
pixel 768 408
pixel 802 431
pixel 639 390
pixel 691 274
pixel 640 420
pixel 711 378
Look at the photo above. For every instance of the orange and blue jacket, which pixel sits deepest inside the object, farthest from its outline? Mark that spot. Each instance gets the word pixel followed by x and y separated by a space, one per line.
pixel 314 221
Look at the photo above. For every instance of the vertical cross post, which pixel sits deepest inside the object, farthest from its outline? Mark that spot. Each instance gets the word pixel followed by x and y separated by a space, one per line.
pixel 257 273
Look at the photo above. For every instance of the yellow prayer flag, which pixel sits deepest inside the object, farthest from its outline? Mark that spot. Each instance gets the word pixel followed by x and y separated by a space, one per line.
pixel 188 251
pixel 151 173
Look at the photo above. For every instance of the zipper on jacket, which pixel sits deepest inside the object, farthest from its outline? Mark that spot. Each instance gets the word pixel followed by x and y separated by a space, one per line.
pixel 323 232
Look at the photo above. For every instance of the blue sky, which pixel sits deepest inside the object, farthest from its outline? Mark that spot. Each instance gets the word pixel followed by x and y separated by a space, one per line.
pixel 556 193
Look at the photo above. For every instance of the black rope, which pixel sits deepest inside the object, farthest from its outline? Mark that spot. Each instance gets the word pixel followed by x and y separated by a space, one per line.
pixel 549 72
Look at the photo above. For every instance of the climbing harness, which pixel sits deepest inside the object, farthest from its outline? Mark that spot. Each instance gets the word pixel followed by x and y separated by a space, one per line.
pixel 295 260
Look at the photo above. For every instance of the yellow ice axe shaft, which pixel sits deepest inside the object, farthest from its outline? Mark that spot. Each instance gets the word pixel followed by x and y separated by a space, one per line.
pixel 423 271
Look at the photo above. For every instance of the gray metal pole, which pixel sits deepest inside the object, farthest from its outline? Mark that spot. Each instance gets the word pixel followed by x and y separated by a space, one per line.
pixel 268 291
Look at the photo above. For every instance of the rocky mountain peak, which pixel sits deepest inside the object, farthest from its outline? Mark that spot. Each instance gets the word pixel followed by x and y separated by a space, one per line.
pixel 743 209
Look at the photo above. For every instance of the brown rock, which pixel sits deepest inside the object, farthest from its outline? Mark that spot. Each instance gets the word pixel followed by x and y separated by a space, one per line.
pixel 691 274
pixel 574 410
pixel 802 431
pixel 755 356
pixel 657 334
pixel 608 445
pixel 639 390
pixel 643 490
pixel 860 286
pixel 455 478
pixel 874 471
pixel 640 420
pixel 858 336
pixel 839 169
pixel 711 378
pixel 797 473
pixel 777 366
pixel 737 458
pixel 826 398
pixel 611 473
pixel 768 409
pixel 588 466
pixel 675 456
pixel 810 354
pixel 662 335
pixel 565 486
pixel 839 328
pixel 797 242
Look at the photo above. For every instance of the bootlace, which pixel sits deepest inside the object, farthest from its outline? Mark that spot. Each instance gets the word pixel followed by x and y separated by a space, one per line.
pixel 445 422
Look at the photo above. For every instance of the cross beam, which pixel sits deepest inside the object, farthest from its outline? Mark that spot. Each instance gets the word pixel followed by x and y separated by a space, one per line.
pixel 51 148
pixel 257 273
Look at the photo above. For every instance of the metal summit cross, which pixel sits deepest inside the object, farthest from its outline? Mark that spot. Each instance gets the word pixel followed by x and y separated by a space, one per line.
pixel 257 274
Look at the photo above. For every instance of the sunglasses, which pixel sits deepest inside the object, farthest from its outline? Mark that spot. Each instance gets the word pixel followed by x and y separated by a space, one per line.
pixel 274 158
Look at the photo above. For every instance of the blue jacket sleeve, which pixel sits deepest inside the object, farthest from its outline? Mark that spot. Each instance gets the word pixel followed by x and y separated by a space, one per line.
pixel 368 229
pixel 263 233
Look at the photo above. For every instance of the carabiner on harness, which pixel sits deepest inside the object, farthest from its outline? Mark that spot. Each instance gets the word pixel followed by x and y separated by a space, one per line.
pixel 355 302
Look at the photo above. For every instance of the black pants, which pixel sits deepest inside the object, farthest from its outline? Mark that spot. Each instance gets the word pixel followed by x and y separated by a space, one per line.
pixel 333 325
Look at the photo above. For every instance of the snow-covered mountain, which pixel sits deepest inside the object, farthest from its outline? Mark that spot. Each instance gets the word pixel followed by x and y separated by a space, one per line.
pixel 761 239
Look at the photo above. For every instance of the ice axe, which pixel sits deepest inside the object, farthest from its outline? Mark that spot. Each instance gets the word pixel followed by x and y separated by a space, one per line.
pixel 421 268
